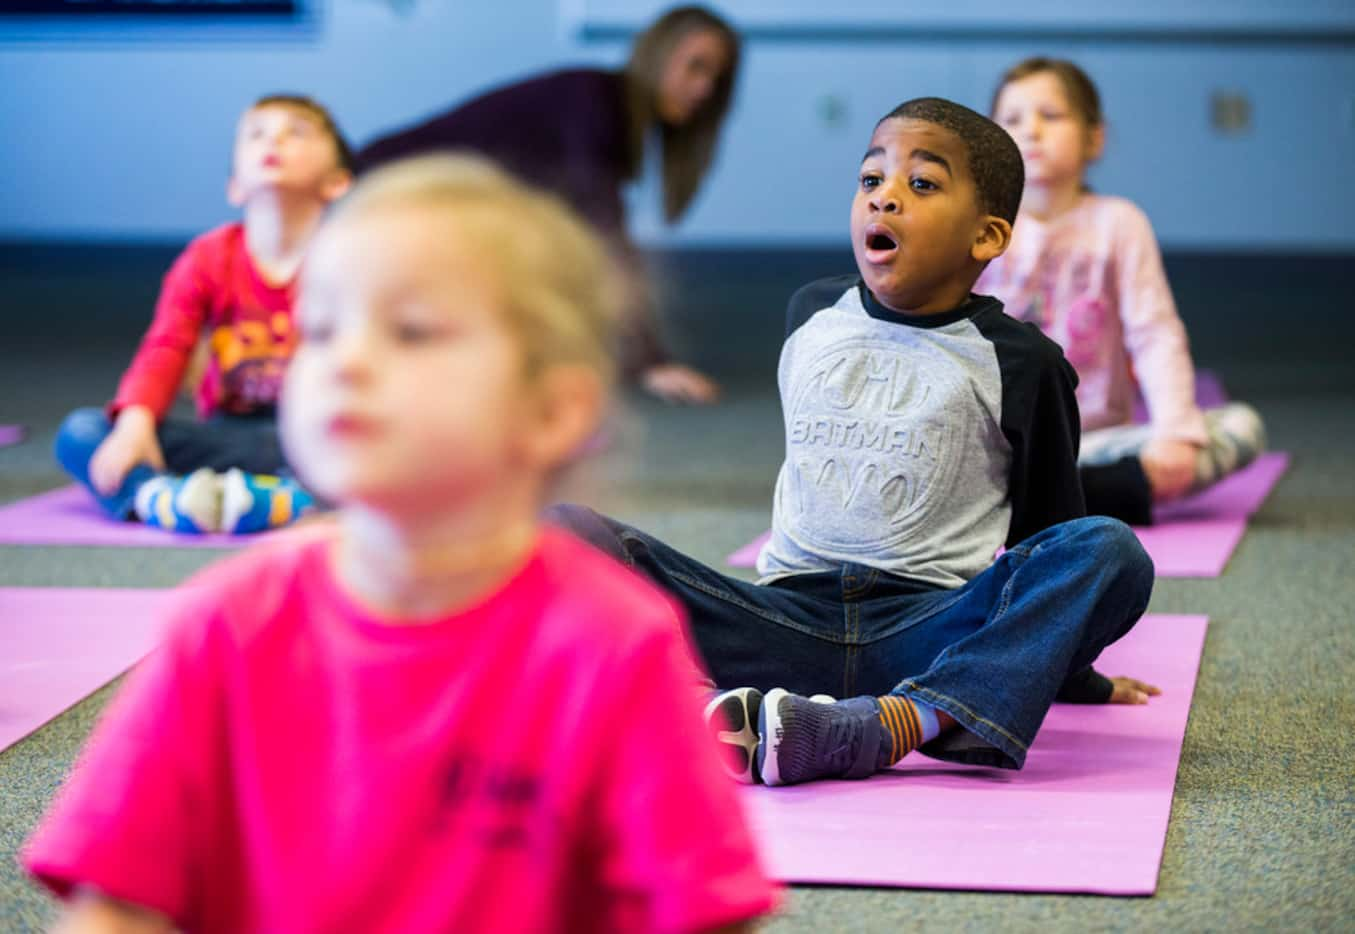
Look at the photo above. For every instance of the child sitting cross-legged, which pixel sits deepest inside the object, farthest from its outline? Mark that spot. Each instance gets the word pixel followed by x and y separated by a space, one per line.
pixel 230 296
pixel 925 430
pixel 1085 268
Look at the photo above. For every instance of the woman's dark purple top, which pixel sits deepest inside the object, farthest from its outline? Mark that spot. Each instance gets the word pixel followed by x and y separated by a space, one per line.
pixel 565 131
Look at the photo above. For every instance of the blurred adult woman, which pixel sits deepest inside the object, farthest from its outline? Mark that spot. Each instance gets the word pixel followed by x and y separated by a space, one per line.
pixel 583 132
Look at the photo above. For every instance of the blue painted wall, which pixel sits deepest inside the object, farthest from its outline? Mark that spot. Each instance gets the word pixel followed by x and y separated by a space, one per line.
pixel 122 132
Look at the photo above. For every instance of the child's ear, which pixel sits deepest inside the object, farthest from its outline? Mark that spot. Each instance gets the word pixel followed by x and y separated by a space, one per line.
pixel 569 401
pixel 993 238
pixel 1096 142
pixel 235 195
pixel 336 185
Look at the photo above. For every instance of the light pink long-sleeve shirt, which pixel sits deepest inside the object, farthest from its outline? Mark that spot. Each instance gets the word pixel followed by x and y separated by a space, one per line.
pixel 1092 279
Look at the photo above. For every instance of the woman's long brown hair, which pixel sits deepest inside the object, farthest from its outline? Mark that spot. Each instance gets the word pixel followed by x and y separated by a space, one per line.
pixel 688 149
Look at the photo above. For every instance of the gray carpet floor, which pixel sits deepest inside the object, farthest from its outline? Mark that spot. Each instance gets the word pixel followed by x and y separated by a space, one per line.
pixel 1262 834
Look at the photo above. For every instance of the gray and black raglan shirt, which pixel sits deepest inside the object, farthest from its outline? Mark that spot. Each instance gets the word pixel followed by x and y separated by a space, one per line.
pixel 917 445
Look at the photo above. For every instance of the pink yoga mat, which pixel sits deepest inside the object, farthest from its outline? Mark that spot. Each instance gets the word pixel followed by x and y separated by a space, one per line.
pixel 1194 537
pixel 746 557
pixel 11 434
pixel 1235 497
pixel 69 516
pixel 57 646
pixel 1088 813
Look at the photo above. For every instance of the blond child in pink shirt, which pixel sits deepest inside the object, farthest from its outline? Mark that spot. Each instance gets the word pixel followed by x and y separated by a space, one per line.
pixel 1086 269
pixel 432 713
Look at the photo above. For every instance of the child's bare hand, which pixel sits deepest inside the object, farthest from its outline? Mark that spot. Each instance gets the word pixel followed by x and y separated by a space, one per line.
pixel 1169 466
pixel 674 382
pixel 1132 691
pixel 131 442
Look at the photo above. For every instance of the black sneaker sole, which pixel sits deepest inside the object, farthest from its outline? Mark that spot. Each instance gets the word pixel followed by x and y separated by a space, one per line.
pixel 733 719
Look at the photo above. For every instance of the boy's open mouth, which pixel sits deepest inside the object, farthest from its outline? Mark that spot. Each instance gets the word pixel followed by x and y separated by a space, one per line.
pixel 881 243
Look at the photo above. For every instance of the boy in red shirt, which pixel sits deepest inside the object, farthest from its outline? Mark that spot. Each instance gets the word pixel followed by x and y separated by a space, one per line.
pixel 435 714
pixel 230 293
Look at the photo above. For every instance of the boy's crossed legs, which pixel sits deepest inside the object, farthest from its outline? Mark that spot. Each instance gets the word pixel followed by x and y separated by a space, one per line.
pixel 220 475
pixel 990 657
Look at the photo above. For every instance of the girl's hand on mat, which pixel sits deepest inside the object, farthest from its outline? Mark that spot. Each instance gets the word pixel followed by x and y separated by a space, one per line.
pixel 131 442
pixel 1132 691
pixel 1169 466
pixel 674 382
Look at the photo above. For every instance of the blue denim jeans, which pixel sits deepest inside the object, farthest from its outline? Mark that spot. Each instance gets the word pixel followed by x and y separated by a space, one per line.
pixel 249 442
pixel 992 653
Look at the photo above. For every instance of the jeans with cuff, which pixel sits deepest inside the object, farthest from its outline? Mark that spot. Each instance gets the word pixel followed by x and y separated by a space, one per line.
pixel 992 653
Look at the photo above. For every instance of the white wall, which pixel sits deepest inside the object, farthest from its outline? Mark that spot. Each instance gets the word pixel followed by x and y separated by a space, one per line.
pixel 124 132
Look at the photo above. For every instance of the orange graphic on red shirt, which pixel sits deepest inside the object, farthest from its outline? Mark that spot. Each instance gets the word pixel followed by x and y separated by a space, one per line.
pixel 250 358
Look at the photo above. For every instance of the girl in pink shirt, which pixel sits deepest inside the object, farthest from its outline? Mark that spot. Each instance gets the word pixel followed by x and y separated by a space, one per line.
pixel 1086 269
pixel 432 713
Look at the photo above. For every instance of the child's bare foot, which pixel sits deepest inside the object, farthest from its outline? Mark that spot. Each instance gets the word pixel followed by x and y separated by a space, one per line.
pixel 1132 691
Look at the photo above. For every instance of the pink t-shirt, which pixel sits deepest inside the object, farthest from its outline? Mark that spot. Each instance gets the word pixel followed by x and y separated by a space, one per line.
pixel 1092 280
pixel 286 762
pixel 214 292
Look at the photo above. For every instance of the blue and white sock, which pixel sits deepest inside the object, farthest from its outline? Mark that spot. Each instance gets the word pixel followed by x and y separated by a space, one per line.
pixel 257 502
pixel 189 504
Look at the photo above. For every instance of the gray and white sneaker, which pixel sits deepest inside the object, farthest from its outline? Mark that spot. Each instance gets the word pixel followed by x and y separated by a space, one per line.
pixel 804 740
pixel 1237 437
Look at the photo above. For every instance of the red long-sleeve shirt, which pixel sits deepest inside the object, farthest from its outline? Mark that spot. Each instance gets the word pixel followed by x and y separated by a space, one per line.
pixel 214 293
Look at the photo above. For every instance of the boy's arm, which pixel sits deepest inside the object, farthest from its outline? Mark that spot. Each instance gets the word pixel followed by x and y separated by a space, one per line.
pixel 132 441
pixel 1046 489
pixel 149 386
pixel 1040 419
pixel 1087 686
pixel 1041 422
pixel 156 371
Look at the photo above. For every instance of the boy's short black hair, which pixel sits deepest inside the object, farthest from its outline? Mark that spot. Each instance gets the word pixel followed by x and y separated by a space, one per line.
pixel 994 159
pixel 313 107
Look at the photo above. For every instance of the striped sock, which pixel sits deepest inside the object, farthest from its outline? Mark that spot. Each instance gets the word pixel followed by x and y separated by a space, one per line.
pixel 908 725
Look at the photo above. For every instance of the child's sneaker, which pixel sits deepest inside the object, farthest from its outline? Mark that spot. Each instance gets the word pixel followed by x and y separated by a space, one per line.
pixel 257 502
pixel 803 739
pixel 181 504
pixel 732 719
pixel 1236 438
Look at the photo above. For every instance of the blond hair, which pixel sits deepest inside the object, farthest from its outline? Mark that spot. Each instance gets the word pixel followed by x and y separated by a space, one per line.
pixel 563 296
